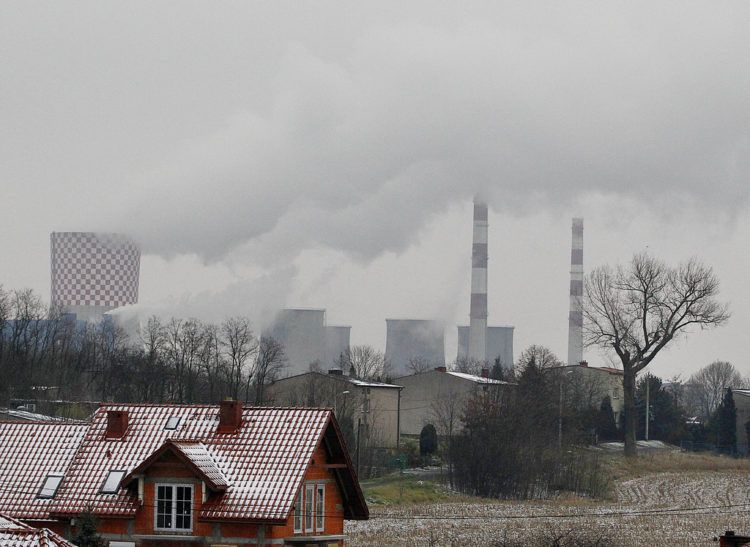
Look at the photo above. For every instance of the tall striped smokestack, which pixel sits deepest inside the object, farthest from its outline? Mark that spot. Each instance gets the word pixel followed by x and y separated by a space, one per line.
pixel 478 312
pixel 575 318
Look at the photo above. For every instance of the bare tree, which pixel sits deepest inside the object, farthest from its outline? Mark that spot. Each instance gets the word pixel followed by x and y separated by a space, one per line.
pixel 418 365
pixel 447 411
pixel 637 310
pixel 269 361
pixel 240 345
pixel 469 366
pixel 541 356
pixel 708 385
pixel 366 362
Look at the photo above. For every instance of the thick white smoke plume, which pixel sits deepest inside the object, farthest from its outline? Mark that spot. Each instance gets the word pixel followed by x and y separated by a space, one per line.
pixel 356 151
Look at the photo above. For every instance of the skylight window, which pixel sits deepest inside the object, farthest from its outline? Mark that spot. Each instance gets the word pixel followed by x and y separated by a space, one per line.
pixel 50 486
pixel 173 422
pixel 112 482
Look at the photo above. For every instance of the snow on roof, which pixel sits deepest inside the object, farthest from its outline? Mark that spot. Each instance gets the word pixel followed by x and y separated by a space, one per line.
pixel 17 534
pixel 31 451
pixel 743 392
pixel 25 415
pixel 367 383
pixel 475 378
pixel 263 462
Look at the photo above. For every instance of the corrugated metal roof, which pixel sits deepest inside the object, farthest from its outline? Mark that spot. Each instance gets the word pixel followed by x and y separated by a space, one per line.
pixel 264 461
pixel 30 452
pixel 16 534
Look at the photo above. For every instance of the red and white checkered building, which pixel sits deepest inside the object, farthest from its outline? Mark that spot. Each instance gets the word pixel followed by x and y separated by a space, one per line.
pixel 93 272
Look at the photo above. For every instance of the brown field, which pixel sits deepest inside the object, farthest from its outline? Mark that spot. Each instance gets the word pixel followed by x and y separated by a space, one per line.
pixel 669 499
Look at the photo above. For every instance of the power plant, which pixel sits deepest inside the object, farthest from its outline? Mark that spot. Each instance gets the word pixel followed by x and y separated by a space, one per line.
pixel 414 339
pixel 575 317
pixel 93 273
pixel 307 339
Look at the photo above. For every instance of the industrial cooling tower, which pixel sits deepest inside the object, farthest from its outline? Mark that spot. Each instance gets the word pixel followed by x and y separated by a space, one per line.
pixel 408 339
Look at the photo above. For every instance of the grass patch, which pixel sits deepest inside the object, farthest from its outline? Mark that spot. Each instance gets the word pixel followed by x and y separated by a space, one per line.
pixel 623 468
pixel 406 489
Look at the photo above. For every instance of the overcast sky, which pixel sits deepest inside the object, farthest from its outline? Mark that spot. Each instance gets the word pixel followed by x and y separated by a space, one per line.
pixel 325 154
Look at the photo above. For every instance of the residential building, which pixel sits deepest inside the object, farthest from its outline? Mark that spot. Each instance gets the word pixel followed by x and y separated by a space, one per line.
pixel 172 475
pixel 588 386
pixel 439 396
pixel 14 533
pixel 371 407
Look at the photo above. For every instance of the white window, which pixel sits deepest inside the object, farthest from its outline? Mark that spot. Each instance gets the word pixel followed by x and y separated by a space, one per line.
pixel 320 505
pixel 309 494
pixel 50 486
pixel 298 513
pixel 174 507
pixel 172 423
pixel 112 482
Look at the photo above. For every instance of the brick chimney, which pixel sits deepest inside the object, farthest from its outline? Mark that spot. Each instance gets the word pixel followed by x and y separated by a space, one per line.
pixel 584 363
pixel 485 373
pixel 230 416
pixel 441 369
pixel 117 424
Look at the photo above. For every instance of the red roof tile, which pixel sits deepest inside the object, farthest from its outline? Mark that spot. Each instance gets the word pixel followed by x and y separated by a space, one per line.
pixel 16 534
pixel 30 452
pixel 264 461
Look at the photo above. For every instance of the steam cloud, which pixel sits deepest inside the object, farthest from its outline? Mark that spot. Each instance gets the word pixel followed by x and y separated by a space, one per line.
pixel 357 153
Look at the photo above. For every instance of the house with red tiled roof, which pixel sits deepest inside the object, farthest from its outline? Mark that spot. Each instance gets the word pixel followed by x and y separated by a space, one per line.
pixel 189 474
pixel 14 533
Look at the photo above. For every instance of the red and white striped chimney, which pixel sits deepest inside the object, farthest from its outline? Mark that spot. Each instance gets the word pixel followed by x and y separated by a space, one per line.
pixel 478 312
pixel 575 317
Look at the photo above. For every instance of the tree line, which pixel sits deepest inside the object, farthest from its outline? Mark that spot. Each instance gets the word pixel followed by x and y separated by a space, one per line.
pixel 47 354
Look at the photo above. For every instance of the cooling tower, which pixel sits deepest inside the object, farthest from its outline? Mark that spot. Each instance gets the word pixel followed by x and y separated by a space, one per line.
pixel 575 318
pixel 93 273
pixel 337 344
pixel 478 311
pixel 303 335
pixel 408 339
pixel 499 345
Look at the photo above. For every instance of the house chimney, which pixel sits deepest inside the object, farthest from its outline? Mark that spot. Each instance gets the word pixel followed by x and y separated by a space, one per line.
pixel 485 373
pixel 441 369
pixel 230 416
pixel 584 363
pixel 335 372
pixel 117 424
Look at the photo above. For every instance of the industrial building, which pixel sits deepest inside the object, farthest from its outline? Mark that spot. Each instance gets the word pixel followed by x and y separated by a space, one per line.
pixel 498 341
pixel 439 397
pixel 408 340
pixel 307 340
pixel 93 272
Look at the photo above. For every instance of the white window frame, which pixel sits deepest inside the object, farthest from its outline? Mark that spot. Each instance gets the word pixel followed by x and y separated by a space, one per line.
pixel 174 487
pixel 298 509
pixel 320 507
pixel 309 507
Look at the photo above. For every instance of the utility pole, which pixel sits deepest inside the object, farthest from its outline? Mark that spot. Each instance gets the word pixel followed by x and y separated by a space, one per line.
pixel 648 403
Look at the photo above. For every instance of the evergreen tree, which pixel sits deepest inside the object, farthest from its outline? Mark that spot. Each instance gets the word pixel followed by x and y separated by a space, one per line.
pixel 724 424
pixel 606 426
pixel 87 535
pixel 428 440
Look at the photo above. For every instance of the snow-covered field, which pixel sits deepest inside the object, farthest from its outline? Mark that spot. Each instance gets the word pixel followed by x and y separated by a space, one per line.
pixel 688 508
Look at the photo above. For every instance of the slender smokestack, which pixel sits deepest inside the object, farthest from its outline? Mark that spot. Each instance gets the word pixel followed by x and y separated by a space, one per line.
pixel 575 318
pixel 478 312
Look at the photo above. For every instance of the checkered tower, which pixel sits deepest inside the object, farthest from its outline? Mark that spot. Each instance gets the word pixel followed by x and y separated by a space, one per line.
pixel 575 317
pixel 478 309
pixel 93 272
